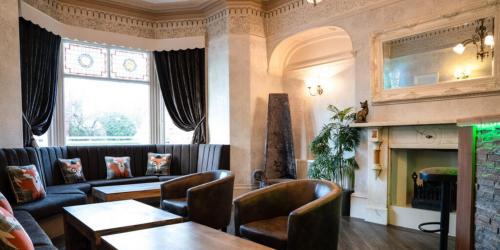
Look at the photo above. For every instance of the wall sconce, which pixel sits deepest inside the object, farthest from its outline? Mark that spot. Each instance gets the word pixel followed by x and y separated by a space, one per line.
pixel 462 73
pixel 314 91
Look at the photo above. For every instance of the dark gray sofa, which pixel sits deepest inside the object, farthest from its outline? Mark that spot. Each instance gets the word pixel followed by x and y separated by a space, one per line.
pixel 186 159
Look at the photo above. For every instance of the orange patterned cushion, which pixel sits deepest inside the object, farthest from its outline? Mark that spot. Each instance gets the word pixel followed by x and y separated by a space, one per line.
pixel 72 170
pixel 12 234
pixel 26 183
pixel 118 167
pixel 158 164
pixel 4 203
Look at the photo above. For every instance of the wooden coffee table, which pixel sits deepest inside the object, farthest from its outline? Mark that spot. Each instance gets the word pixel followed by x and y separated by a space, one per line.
pixel 126 192
pixel 84 225
pixel 188 235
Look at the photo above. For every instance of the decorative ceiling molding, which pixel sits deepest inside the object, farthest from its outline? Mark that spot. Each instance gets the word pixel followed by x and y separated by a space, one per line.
pixel 256 17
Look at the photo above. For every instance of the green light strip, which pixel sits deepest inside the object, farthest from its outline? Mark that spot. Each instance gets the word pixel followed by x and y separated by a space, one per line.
pixel 491 125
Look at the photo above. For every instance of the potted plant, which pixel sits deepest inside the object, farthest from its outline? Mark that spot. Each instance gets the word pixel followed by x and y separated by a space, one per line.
pixel 334 151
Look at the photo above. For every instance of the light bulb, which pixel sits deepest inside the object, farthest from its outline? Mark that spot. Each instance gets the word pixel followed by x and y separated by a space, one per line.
pixel 459 49
pixel 489 41
pixel 314 2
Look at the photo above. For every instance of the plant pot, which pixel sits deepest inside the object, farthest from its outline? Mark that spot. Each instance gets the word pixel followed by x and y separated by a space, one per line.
pixel 346 202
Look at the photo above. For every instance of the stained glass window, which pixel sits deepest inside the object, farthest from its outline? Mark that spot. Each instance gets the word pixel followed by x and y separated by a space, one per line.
pixel 129 65
pixel 85 60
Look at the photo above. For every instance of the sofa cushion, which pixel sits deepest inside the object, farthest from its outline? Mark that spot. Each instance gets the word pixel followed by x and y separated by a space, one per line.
pixel 35 232
pixel 176 206
pixel 78 188
pixel 123 181
pixel 117 167
pixel 71 170
pixel 52 204
pixel 158 164
pixel 4 203
pixel 168 177
pixel 26 183
pixel 270 232
pixel 13 235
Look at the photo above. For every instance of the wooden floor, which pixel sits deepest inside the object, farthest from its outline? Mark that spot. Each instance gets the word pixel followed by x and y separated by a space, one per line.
pixel 357 234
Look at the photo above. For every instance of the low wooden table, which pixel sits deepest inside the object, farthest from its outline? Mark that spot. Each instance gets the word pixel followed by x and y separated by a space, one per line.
pixel 126 192
pixel 84 225
pixel 188 235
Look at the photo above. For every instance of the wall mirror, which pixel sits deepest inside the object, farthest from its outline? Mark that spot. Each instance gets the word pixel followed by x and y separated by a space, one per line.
pixel 441 60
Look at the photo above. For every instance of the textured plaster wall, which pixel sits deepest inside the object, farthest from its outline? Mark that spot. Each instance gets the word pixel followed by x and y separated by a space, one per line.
pixel 10 76
pixel 249 89
pixel 218 90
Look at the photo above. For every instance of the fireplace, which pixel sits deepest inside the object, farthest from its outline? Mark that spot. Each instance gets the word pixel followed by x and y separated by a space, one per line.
pixel 411 149
pixel 406 187
pixel 395 152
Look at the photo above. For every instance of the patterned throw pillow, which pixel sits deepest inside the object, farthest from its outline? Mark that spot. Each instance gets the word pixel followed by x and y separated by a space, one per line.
pixel 118 167
pixel 4 203
pixel 12 234
pixel 26 183
pixel 72 171
pixel 158 164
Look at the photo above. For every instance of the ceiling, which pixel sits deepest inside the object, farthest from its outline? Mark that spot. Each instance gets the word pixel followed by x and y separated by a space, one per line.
pixel 149 6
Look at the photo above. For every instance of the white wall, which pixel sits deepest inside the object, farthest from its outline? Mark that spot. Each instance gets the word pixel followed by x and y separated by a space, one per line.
pixel 11 134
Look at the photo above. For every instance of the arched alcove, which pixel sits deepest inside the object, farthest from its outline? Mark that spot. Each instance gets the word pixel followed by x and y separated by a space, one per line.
pixel 320 56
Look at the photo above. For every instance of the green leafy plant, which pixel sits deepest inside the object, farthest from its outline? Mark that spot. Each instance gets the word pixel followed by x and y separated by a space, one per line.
pixel 334 147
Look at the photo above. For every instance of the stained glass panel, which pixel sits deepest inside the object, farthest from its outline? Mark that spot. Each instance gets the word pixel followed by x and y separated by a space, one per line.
pixel 85 60
pixel 129 65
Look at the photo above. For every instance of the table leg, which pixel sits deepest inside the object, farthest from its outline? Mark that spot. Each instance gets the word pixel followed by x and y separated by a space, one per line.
pixel 74 240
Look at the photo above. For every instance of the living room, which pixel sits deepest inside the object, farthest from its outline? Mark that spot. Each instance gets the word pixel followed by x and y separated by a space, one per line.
pixel 254 124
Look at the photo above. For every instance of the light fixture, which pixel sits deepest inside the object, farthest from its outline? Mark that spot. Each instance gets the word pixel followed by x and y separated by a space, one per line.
pixel 463 73
pixel 317 91
pixel 315 2
pixel 459 49
pixel 488 41
pixel 313 85
pixel 481 39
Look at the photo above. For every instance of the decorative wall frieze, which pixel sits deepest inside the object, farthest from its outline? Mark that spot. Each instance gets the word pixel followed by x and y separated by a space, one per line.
pixel 235 19
pixel 119 23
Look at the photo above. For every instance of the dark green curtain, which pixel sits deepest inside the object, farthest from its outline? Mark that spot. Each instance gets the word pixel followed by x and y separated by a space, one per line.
pixel 39 71
pixel 181 75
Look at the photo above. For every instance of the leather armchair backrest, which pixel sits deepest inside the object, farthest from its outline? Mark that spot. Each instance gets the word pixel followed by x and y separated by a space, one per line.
pixel 16 157
pixel 315 225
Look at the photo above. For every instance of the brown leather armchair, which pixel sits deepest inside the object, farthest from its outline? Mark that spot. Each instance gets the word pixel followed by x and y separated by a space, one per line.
pixel 205 198
pixel 301 214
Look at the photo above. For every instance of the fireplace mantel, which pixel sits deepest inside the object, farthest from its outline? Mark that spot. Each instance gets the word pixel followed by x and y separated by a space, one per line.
pixel 399 123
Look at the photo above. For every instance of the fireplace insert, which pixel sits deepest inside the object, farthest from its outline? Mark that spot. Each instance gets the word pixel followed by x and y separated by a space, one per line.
pixel 427 195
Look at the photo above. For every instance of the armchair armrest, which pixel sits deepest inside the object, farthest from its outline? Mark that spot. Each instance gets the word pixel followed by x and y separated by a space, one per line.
pixel 260 204
pixel 177 188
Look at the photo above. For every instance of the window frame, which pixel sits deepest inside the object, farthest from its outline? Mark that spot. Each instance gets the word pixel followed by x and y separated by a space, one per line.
pixel 56 133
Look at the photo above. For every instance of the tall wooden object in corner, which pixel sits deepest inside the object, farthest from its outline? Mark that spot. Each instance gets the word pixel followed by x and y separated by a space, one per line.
pixel 465 189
